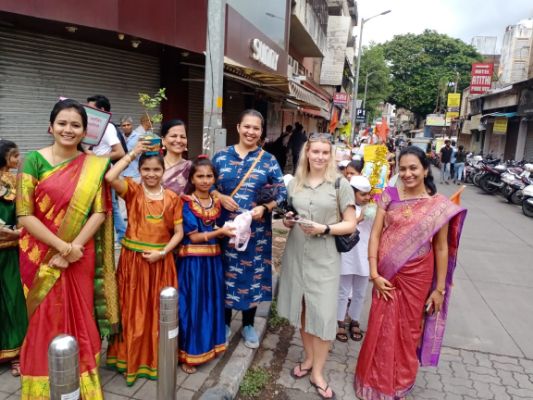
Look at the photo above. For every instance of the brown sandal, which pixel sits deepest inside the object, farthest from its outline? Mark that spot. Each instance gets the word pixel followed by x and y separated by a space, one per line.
pixel 341 336
pixel 15 368
pixel 325 390
pixel 356 333
pixel 304 371
pixel 188 369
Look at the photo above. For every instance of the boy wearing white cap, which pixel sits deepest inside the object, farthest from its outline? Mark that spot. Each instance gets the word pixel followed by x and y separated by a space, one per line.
pixel 354 264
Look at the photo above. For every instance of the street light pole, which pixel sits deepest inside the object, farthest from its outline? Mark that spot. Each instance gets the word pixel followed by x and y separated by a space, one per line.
pixel 364 98
pixel 356 86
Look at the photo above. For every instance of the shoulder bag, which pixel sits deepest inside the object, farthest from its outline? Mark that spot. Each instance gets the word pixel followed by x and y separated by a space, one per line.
pixel 344 243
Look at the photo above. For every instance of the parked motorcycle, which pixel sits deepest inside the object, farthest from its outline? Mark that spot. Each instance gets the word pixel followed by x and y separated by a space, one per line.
pixel 527 201
pixel 491 181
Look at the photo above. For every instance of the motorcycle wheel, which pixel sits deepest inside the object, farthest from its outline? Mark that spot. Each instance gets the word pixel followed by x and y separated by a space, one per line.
pixel 484 183
pixel 527 209
pixel 475 178
pixel 517 197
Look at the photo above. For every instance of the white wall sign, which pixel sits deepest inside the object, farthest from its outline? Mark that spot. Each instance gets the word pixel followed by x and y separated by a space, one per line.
pixel 264 54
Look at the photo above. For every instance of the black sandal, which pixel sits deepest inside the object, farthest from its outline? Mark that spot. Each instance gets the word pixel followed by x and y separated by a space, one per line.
pixel 304 371
pixel 325 390
pixel 341 336
pixel 356 334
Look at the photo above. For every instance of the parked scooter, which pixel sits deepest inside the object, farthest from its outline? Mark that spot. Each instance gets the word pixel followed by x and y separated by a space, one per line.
pixel 527 201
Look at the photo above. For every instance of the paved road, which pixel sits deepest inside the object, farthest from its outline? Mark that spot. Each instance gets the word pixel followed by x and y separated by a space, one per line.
pixel 488 351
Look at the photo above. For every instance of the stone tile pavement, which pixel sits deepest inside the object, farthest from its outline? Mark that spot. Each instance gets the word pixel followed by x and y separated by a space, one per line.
pixel 461 374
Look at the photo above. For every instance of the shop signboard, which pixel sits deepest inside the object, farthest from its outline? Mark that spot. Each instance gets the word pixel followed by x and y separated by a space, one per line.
pixel 435 120
pixel 454 100
pixel 340 99
pixel 481 78
pixel 500 125
pixel 450 116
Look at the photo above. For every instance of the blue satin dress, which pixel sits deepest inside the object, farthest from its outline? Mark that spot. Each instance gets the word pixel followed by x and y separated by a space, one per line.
pixel 201 287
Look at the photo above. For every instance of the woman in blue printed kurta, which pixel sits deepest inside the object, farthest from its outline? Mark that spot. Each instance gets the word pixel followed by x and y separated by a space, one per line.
pixel 248 273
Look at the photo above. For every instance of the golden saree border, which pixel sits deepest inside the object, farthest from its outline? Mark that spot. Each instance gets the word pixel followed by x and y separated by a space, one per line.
pixel 38 387
pixel 79 207
pixel 5 245
pixel 9 354
pixel 199 250
pixel 143 371
pixel 140 247
pixel 201 358
pixel 25 191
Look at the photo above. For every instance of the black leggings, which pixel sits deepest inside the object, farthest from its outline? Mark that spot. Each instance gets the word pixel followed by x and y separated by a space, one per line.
pixel 248 316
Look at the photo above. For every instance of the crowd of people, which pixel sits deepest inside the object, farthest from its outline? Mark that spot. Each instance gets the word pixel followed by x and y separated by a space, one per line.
pixel 205 227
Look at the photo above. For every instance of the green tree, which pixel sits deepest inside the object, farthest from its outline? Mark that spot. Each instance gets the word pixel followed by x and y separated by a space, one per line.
pixel 419 65
pixel 379 78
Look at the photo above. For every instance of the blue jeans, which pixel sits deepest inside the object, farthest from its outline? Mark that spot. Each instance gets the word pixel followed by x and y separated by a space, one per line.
pixel 444 172
pixel 459 167
pixel 118 220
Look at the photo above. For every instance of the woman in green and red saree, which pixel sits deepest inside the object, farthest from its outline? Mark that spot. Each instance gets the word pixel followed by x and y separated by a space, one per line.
pixel 62 203
pixel 412 255
pixel 12 302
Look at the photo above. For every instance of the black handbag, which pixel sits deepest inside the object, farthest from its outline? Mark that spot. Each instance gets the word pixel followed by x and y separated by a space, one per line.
pixel 344 243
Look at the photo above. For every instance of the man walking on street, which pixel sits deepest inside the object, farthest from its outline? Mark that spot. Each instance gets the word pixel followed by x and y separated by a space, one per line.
pixel 296 143
pixel 445 160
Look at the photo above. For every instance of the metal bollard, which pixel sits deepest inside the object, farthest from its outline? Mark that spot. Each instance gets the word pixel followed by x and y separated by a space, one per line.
pixel 168 343
pixel 63 368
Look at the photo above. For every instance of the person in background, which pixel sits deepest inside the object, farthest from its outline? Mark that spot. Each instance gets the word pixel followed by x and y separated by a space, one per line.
pixel 110 146
pixel 62 201
pixel 243 171
pixel 354 168
pixel 281 147
pixel 412 254
pixel 311 263
pixel 200 271
pixel 296 142
pixel 354 265
pixel 342 164
pixel 460 159
pixel 445 156
pixel 145 125
pixel 12 301
pixel 132 137
pixel 146 263
pixel 452 160
pixel 177 167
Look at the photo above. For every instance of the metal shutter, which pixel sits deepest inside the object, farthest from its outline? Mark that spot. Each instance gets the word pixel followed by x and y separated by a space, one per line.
pixel 196 111
pixel 529 142
pixel 36 69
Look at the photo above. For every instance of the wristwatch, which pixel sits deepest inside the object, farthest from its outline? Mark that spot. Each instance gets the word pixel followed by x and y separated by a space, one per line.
pixel 327 230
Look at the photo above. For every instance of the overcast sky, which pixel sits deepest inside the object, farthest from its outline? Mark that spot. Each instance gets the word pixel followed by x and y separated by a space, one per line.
pixel 462 19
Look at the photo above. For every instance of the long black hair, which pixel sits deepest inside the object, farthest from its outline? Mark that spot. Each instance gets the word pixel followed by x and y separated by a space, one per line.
pixel 69 104
pixel 6 146
pixel 201 161
pixel 428 180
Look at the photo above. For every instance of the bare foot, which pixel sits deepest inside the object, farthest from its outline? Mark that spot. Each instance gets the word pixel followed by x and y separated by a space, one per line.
pixel 188 369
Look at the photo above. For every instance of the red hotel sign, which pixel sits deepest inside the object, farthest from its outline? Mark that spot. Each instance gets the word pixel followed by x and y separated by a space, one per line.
pixel 340 99
pixel 481 78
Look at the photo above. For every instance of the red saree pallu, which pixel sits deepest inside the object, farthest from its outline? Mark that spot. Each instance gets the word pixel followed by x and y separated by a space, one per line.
pixel 60 301
pixel 400 336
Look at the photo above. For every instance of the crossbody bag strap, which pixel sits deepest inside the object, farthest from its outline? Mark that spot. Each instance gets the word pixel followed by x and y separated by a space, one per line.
pixel 245 177
pixel 337 185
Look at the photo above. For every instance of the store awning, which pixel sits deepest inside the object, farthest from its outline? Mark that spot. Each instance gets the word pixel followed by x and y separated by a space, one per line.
pixel 308 98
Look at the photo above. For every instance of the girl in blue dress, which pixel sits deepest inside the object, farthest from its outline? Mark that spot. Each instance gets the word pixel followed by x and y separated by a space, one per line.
pixel 244 171
pixel 200 272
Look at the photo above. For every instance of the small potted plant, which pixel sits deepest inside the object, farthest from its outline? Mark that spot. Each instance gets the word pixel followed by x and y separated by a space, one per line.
pixel 150 104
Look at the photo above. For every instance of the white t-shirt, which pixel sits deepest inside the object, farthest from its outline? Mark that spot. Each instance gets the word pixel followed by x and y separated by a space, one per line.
pixel 355 261
pixel 109 139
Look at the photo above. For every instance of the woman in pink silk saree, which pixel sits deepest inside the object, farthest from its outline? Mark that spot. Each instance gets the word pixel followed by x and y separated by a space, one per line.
pixel 412 254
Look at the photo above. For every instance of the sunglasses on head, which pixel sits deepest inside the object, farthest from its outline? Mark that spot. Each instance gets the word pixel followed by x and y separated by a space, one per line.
pixel 320 136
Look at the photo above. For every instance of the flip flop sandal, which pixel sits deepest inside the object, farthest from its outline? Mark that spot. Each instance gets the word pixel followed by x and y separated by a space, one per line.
pixel 188 369
pixel 356 334
pixel 318 389
pixel 341 336
pixel 305 371
pixel 15 368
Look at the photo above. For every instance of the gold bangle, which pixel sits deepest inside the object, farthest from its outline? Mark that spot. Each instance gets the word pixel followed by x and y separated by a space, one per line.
pixel 374 278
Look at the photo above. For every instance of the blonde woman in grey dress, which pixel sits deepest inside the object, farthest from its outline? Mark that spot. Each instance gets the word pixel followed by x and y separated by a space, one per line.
pixel 310 271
